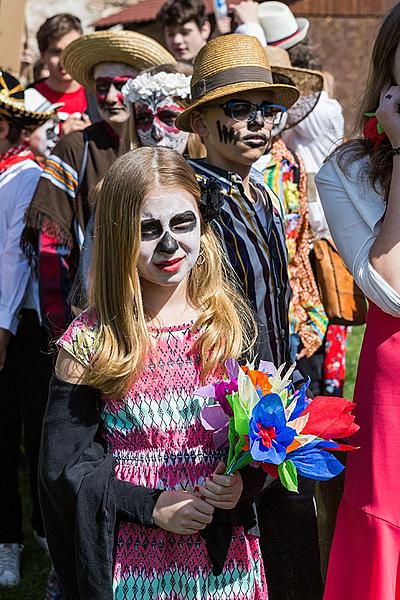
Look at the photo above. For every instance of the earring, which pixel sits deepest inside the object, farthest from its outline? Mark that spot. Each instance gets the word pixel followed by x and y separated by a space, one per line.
pixel 201 259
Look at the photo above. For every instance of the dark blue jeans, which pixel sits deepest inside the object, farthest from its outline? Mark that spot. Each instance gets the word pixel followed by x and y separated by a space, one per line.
pixel 289 542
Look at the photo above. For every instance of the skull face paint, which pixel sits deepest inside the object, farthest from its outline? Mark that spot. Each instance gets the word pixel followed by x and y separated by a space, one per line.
pixel 155 123
pixel 103 85
pixel 170 237
pixel 109 79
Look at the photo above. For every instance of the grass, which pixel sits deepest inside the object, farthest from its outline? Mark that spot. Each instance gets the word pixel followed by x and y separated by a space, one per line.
pixel 353 353
pixel 36 563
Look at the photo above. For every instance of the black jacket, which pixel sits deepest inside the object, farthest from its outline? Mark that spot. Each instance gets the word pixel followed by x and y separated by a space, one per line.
pixel 82 500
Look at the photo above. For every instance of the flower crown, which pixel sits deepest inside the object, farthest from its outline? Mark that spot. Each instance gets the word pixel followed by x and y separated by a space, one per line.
pixel 145 85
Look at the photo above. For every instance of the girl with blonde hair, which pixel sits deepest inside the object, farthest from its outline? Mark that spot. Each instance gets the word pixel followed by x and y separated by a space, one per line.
pixel 134 498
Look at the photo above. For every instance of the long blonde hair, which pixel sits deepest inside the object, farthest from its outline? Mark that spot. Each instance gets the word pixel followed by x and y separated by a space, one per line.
pixel 225 320
pixel 380 75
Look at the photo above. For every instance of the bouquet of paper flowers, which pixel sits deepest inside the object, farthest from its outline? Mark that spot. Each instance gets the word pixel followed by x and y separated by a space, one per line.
pixel 265 422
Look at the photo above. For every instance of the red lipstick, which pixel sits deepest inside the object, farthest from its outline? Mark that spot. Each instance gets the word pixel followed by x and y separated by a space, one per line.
pixel 170 266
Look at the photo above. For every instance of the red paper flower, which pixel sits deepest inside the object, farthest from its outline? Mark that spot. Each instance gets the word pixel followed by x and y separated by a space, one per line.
pixel 373 131
pixel 330 417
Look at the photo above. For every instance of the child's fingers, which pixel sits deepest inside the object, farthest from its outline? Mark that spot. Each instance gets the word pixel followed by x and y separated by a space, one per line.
pixel 220 494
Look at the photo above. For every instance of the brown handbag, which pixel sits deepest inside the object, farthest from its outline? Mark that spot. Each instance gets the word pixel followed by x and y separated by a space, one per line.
pixel 344 302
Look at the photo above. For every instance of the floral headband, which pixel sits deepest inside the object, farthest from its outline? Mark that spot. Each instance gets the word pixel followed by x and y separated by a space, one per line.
pixel 168 84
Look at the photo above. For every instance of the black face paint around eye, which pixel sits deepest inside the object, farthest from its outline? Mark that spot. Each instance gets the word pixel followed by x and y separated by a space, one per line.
pixel 167 244
pixel 151 229
pixel 184 222
pixel 227 136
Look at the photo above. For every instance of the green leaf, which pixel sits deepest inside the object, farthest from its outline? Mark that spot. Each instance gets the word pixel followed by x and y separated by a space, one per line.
pixel 231 440
pixel 242 461
pixel 241 416
pixel 288 475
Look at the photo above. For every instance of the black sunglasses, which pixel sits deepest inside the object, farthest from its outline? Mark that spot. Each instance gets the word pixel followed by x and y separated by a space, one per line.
pixel 242 110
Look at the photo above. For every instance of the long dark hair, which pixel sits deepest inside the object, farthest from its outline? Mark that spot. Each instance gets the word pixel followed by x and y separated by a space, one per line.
pixel 380 75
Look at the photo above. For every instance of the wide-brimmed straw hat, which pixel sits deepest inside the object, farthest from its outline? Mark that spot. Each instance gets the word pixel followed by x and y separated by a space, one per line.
pixel 230 64
pixel 129 47
pixel 13 106
pixel 280 26
pixel 309 83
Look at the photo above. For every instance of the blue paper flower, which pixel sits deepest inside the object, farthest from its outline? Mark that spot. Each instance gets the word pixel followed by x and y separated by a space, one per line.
pixel 314 462
pixel 269 435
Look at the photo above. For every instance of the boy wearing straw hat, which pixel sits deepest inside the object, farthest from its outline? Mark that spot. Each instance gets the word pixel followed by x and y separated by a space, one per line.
pixel 56 220
pixel 23 362
pixel 235 104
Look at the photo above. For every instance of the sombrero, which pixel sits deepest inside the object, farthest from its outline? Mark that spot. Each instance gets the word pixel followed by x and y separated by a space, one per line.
pixel 230 64
pixel 13 106
pixel 129 47
pixel 309 83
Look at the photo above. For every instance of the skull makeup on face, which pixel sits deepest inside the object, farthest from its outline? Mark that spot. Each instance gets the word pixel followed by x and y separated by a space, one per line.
pixel 154 97
pixel 103 85
pixel 170 237
pixel 155 123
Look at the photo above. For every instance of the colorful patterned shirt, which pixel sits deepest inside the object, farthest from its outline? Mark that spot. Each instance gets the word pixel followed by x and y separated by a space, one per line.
pixel 287 178
pixel 60 209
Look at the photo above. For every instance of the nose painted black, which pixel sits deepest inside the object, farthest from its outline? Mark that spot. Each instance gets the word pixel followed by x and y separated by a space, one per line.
pixel 167 244
pixel 156 134
pixel 257 121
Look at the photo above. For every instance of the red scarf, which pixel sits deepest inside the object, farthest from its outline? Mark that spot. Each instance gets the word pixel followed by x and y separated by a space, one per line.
pixel 14 156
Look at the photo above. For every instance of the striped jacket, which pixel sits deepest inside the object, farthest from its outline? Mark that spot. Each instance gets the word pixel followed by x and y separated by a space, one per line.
pixel 257 252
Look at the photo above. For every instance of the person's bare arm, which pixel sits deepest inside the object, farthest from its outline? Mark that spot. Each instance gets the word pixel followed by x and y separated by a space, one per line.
pixel 384 254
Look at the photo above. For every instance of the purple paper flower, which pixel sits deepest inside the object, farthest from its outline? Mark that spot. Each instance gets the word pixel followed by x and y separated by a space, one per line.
pixel 222 390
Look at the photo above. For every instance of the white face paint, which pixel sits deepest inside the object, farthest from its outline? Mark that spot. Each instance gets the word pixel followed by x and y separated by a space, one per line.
pixel 155 123
pixel 170 236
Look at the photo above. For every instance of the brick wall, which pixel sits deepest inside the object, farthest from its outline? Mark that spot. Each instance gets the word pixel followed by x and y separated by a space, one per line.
pixel 345 46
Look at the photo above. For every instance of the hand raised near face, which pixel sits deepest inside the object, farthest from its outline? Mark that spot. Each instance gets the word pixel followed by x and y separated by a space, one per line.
pixel 75 122
pixel 182 512
pixel 388 114
pixel 244 12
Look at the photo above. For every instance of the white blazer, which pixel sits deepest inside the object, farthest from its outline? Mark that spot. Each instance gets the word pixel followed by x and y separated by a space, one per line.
pixel 354 212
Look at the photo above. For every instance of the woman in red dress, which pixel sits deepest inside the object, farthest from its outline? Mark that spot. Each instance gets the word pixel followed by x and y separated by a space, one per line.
pixel 360 192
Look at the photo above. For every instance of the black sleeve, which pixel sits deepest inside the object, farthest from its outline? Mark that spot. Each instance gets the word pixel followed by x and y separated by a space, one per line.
pixel 80 497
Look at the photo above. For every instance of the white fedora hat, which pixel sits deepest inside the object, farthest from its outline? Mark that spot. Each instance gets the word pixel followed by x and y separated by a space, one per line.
pixel 280 26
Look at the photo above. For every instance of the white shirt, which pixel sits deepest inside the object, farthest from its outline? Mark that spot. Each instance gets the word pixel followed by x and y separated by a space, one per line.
pixel 354 211
pixel 316 136
pixel 18 288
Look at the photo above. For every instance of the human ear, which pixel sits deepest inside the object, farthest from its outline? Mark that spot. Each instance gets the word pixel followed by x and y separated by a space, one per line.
pixel 206 31
pixel 198 124
pixel 4 129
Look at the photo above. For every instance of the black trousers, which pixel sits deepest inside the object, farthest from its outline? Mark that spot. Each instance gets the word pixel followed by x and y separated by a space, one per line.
pixel 289 542
pixel 24 384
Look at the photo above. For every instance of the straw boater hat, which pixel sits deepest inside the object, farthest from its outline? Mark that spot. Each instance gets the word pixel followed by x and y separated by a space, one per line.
pixel 309 83
pixel 13 105
pixel 129 47
pixel 229 64
pixel 280 26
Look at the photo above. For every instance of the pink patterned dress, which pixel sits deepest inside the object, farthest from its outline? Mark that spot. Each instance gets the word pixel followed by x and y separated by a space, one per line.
pixel 158 441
